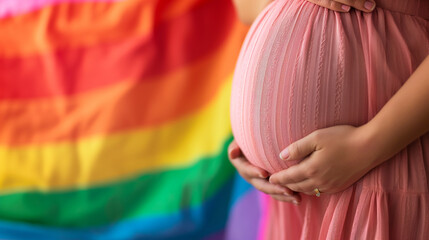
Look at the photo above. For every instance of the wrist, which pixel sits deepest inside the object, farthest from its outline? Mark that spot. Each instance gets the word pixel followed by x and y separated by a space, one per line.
pixel 373 144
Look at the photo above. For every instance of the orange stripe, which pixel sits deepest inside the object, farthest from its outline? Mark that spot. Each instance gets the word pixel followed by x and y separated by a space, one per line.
pixel 84 24
pixel 171 46
pixel 123 106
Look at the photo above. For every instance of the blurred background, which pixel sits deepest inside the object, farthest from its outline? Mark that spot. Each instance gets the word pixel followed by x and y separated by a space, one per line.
pixel 114 121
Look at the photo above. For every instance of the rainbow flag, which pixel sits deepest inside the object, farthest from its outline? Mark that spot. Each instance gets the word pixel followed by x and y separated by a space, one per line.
pixel 114 121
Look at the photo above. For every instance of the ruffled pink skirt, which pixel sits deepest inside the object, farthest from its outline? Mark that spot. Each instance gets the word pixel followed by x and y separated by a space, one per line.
pixel 302 68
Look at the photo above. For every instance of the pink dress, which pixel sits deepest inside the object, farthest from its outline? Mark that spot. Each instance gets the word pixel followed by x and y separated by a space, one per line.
pixel 303 67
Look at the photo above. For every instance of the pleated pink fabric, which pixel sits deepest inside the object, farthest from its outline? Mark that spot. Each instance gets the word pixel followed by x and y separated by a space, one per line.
pixel 303 67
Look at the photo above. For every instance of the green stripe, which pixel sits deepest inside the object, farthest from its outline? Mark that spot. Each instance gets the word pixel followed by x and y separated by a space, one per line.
pixel 155 193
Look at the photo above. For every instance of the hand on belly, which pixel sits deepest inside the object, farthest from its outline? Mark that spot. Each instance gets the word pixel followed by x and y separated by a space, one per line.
pixel 332 159
pixel 346 5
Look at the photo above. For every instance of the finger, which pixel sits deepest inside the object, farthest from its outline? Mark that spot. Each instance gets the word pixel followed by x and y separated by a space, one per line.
pixel 234 150
pixel 333 5
pixel 293 174
pixel 300 149
pixel 363 5
pixel 247 170
pixel 307 187
pixel 295 199
pixel 264 186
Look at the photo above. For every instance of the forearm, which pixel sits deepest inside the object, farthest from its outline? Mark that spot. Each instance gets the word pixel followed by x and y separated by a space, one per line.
pixel 248 10
pixel 404 118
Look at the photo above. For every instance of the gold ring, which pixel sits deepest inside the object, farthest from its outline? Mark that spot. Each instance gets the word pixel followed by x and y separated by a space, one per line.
pixel 316 190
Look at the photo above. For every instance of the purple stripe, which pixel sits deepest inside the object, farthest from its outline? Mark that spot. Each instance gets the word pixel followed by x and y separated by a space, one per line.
pixel 245 216
pixel 216 236
pixel 14 7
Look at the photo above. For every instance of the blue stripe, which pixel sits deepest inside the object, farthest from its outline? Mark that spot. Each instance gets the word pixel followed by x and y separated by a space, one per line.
pixel 193 223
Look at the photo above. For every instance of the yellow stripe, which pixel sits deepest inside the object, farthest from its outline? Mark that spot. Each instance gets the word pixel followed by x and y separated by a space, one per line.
pixel 98 159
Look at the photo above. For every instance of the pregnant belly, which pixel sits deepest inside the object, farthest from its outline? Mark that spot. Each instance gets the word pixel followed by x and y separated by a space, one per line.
pixel 300 69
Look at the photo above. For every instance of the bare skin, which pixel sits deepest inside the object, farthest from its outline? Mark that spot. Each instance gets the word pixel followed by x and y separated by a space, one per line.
pixel 346 5
pixel 336 157
pixel 248 10
pixel 326 164
pixel 259 177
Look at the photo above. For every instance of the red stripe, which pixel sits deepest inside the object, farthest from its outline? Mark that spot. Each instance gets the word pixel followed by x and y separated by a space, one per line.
pixel 172 45
pixel 124 106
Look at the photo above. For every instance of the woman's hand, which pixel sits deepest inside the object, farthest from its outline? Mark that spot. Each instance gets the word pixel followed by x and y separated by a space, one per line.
pixel 336 157
pixel 258 177
pixel 332 159
pixel 345 5
pixel 248 10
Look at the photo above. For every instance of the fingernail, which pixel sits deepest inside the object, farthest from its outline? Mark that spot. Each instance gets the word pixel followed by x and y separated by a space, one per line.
pixel 368 5
pixel 231 153
pixel 284 155
pixel 295 202
pixel 345 8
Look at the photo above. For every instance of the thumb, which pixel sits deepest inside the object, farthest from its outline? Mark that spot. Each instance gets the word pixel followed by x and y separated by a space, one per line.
pixel 299 149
